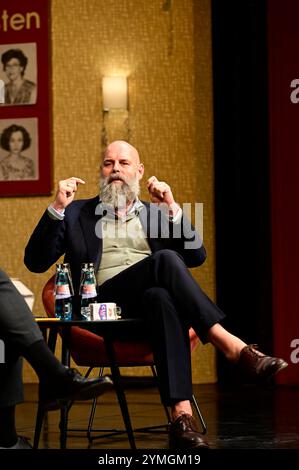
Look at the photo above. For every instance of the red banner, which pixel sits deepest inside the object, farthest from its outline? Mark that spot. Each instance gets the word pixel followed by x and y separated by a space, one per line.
pixel 283 46
pixel 25 109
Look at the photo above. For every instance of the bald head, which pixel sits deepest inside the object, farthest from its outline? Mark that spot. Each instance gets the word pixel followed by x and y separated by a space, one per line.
pixel 122 148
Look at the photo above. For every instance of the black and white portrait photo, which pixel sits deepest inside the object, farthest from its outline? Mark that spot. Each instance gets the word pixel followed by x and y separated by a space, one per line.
pixel 19 72
pixel 18 149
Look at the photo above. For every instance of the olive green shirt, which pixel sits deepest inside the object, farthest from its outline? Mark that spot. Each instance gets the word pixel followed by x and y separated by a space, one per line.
pixel 124 244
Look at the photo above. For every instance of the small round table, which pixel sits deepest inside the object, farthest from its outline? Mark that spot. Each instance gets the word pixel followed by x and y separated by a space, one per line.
pixel 110 330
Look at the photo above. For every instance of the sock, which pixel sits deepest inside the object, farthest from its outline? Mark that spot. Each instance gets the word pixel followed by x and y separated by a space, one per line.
pixel 43 361
pixel 8 433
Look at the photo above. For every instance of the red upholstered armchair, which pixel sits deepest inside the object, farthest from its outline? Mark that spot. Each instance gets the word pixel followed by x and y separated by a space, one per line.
pixel 88 349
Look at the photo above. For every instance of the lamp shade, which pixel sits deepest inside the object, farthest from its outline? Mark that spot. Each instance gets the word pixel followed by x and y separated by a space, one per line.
pixel 115 93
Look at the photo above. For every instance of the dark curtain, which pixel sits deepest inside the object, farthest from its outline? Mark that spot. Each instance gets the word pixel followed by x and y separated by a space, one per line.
pixel 239 39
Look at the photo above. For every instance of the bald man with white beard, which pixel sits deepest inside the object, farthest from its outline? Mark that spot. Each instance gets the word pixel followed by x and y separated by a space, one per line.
pixel 142 265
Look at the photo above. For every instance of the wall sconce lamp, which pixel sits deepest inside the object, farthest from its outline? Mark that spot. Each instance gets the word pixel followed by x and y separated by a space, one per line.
pixel 115 93
pixel 115 97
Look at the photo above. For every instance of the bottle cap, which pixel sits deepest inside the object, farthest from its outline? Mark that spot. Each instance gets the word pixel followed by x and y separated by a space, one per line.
pixel 87 266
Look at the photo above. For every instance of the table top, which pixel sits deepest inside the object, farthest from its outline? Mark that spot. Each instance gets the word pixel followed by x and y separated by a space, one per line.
pixel 53 320
pixel 100 326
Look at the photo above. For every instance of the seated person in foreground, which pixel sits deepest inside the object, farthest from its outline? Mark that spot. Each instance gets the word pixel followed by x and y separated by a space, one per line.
pixel 58 385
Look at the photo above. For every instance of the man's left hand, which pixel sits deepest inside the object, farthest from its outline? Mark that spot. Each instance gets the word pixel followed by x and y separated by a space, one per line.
pixel 160 192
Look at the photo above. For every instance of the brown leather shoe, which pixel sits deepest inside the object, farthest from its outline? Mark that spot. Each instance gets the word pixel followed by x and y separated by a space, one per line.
pixel 257 366
pixel 183 434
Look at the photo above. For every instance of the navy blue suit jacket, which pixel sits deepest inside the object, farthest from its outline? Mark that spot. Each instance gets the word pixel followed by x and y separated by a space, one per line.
pixel 78 237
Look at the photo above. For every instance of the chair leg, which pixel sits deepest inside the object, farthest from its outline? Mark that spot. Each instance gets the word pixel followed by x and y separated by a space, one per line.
pixel 38 426
pixel 93 410
pixel 91 418
pixel 202 421
pixel 88 372
pixel 90 430
pixel 94 402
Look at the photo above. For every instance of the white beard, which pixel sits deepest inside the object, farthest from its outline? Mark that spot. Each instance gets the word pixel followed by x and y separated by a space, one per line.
pixel 118 195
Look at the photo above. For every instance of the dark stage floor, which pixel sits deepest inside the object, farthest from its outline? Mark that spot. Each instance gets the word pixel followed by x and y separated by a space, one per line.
pixel 245 418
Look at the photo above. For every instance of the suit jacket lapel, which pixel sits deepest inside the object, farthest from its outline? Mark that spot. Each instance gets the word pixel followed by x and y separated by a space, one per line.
pixel 149 222
pixel 91 226
pixel 143 217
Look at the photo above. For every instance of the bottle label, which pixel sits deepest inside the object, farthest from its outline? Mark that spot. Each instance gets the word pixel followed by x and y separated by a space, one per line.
pixel 89 289
pixel 63 289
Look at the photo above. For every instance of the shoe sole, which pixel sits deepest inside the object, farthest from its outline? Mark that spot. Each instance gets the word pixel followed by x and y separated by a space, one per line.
pixel 87 393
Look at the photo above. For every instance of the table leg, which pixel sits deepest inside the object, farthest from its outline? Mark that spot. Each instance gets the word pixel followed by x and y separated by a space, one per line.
pixel 65 360
pixel 119 390
pixel 52 339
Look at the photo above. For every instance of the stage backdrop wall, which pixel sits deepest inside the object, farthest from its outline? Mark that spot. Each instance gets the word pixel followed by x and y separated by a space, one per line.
pixel 164 47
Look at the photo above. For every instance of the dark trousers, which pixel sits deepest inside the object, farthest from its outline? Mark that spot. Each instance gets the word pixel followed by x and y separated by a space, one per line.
pixel 18 330
pixel 161 290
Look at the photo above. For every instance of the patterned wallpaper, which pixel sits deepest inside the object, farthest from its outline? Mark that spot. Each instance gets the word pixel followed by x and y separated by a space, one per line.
pixel 164 48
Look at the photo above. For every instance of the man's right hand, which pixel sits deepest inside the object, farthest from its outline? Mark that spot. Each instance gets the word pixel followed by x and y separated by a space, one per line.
pixel 66 192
